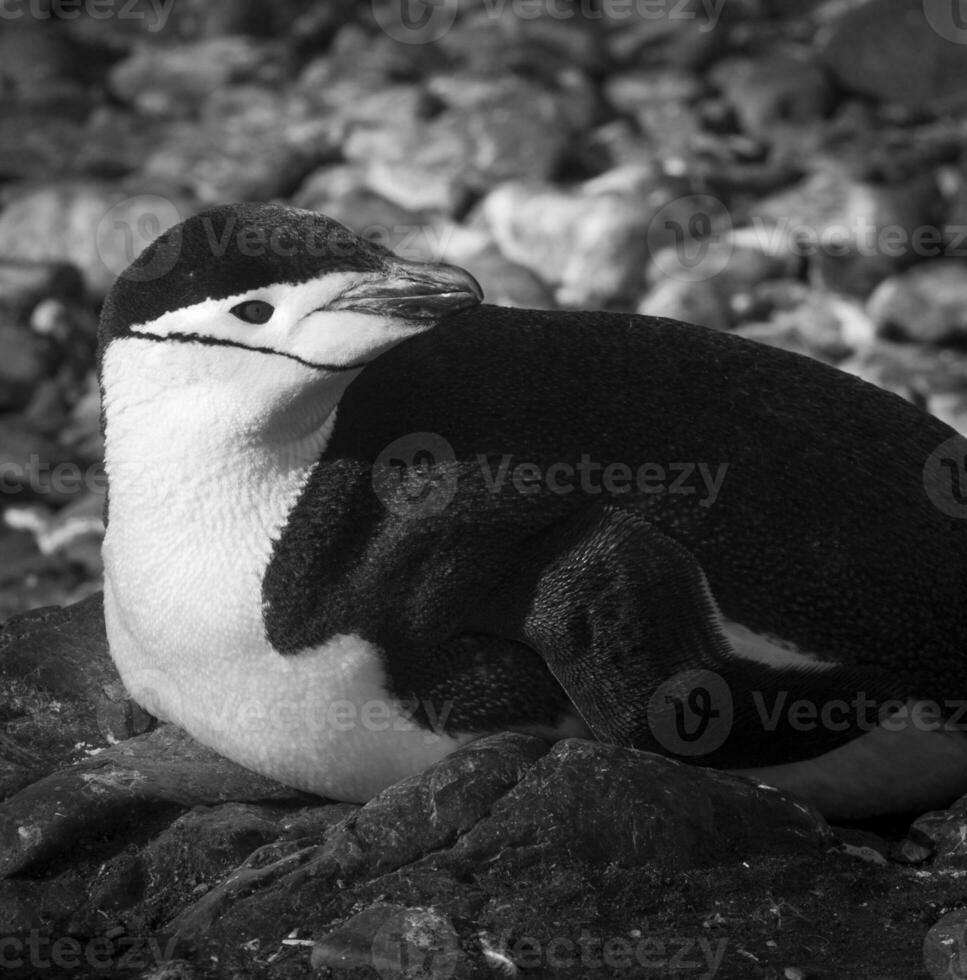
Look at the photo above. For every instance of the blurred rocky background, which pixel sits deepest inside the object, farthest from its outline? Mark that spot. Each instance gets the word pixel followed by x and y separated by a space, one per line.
pixel 789 170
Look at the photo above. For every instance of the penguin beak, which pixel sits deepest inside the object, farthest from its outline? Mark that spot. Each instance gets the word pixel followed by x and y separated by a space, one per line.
pixel 420 291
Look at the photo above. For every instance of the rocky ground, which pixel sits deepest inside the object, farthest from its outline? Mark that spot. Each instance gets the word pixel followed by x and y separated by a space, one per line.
pixel 147 856
pixel 792 171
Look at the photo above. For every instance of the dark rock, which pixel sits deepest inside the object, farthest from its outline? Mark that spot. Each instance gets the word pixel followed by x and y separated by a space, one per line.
pixel 507 798
pixel 944 832
pixel 688 34
pixel 511 129
pixel 931 378
pixel 148 23
pixel 22 562
pixel 82 430
pixel 174 970
pixel 24 284
pixel 792 315
pixel 31 580
pixel 314 822
pixel 412 818
pixel 654 809
pixel 662 104
pixel 359 62
pixel 97 226
pixel 424 168
pixel 120 718
pixel 573 95
pixel 174 79
pixel 120 884
pixel 340 192
pixel 48 143
pixel 114 142
pixel 34 468
pixel 617 144
pixel 943 944
pixel 453 868
pixel 499 40
pixel 629 91
pixel 61 651
pixel 25 459
pixel 195 18
pixel 215 155
pixel 53 668
pixel 389 938
pixel 25 363
pixel 18 766
pixel 388 21
pixel 36 144
pixel 863 845
pixel 704 280
pixel 71 331
pixel 188 857
pixel 57 662
pixel 39 65
pixel 402 104
pixel 780 89
pixel 144 774
pixel 905 51
pixel 927 303
pixel 852 232
pixel 911 851
pixel 26 291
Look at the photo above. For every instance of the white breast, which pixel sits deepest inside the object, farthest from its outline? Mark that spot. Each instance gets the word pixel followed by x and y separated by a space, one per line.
pixel 195 508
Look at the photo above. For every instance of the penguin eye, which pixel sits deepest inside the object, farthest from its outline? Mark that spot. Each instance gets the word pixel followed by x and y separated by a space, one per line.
pixel 253 311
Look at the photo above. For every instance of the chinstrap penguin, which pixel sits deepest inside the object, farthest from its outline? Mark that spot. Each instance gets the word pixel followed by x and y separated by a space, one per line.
pixel 356 519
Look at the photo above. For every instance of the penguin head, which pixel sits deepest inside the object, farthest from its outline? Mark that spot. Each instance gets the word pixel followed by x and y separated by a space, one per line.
pixel 264 302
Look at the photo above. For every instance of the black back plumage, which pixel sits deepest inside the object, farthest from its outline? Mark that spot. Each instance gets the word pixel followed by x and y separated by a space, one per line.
pixel 822 533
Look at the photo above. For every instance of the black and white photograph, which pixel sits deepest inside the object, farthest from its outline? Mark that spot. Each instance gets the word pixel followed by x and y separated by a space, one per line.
pixel 483 489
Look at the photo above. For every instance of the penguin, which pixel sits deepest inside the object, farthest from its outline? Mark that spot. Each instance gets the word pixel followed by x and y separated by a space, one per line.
pixel 357 518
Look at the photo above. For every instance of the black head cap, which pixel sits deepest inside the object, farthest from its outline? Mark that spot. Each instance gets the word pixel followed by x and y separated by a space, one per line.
pixel 227 250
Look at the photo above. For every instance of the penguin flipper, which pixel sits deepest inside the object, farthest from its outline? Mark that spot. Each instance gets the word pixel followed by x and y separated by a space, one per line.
pixel 626 622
